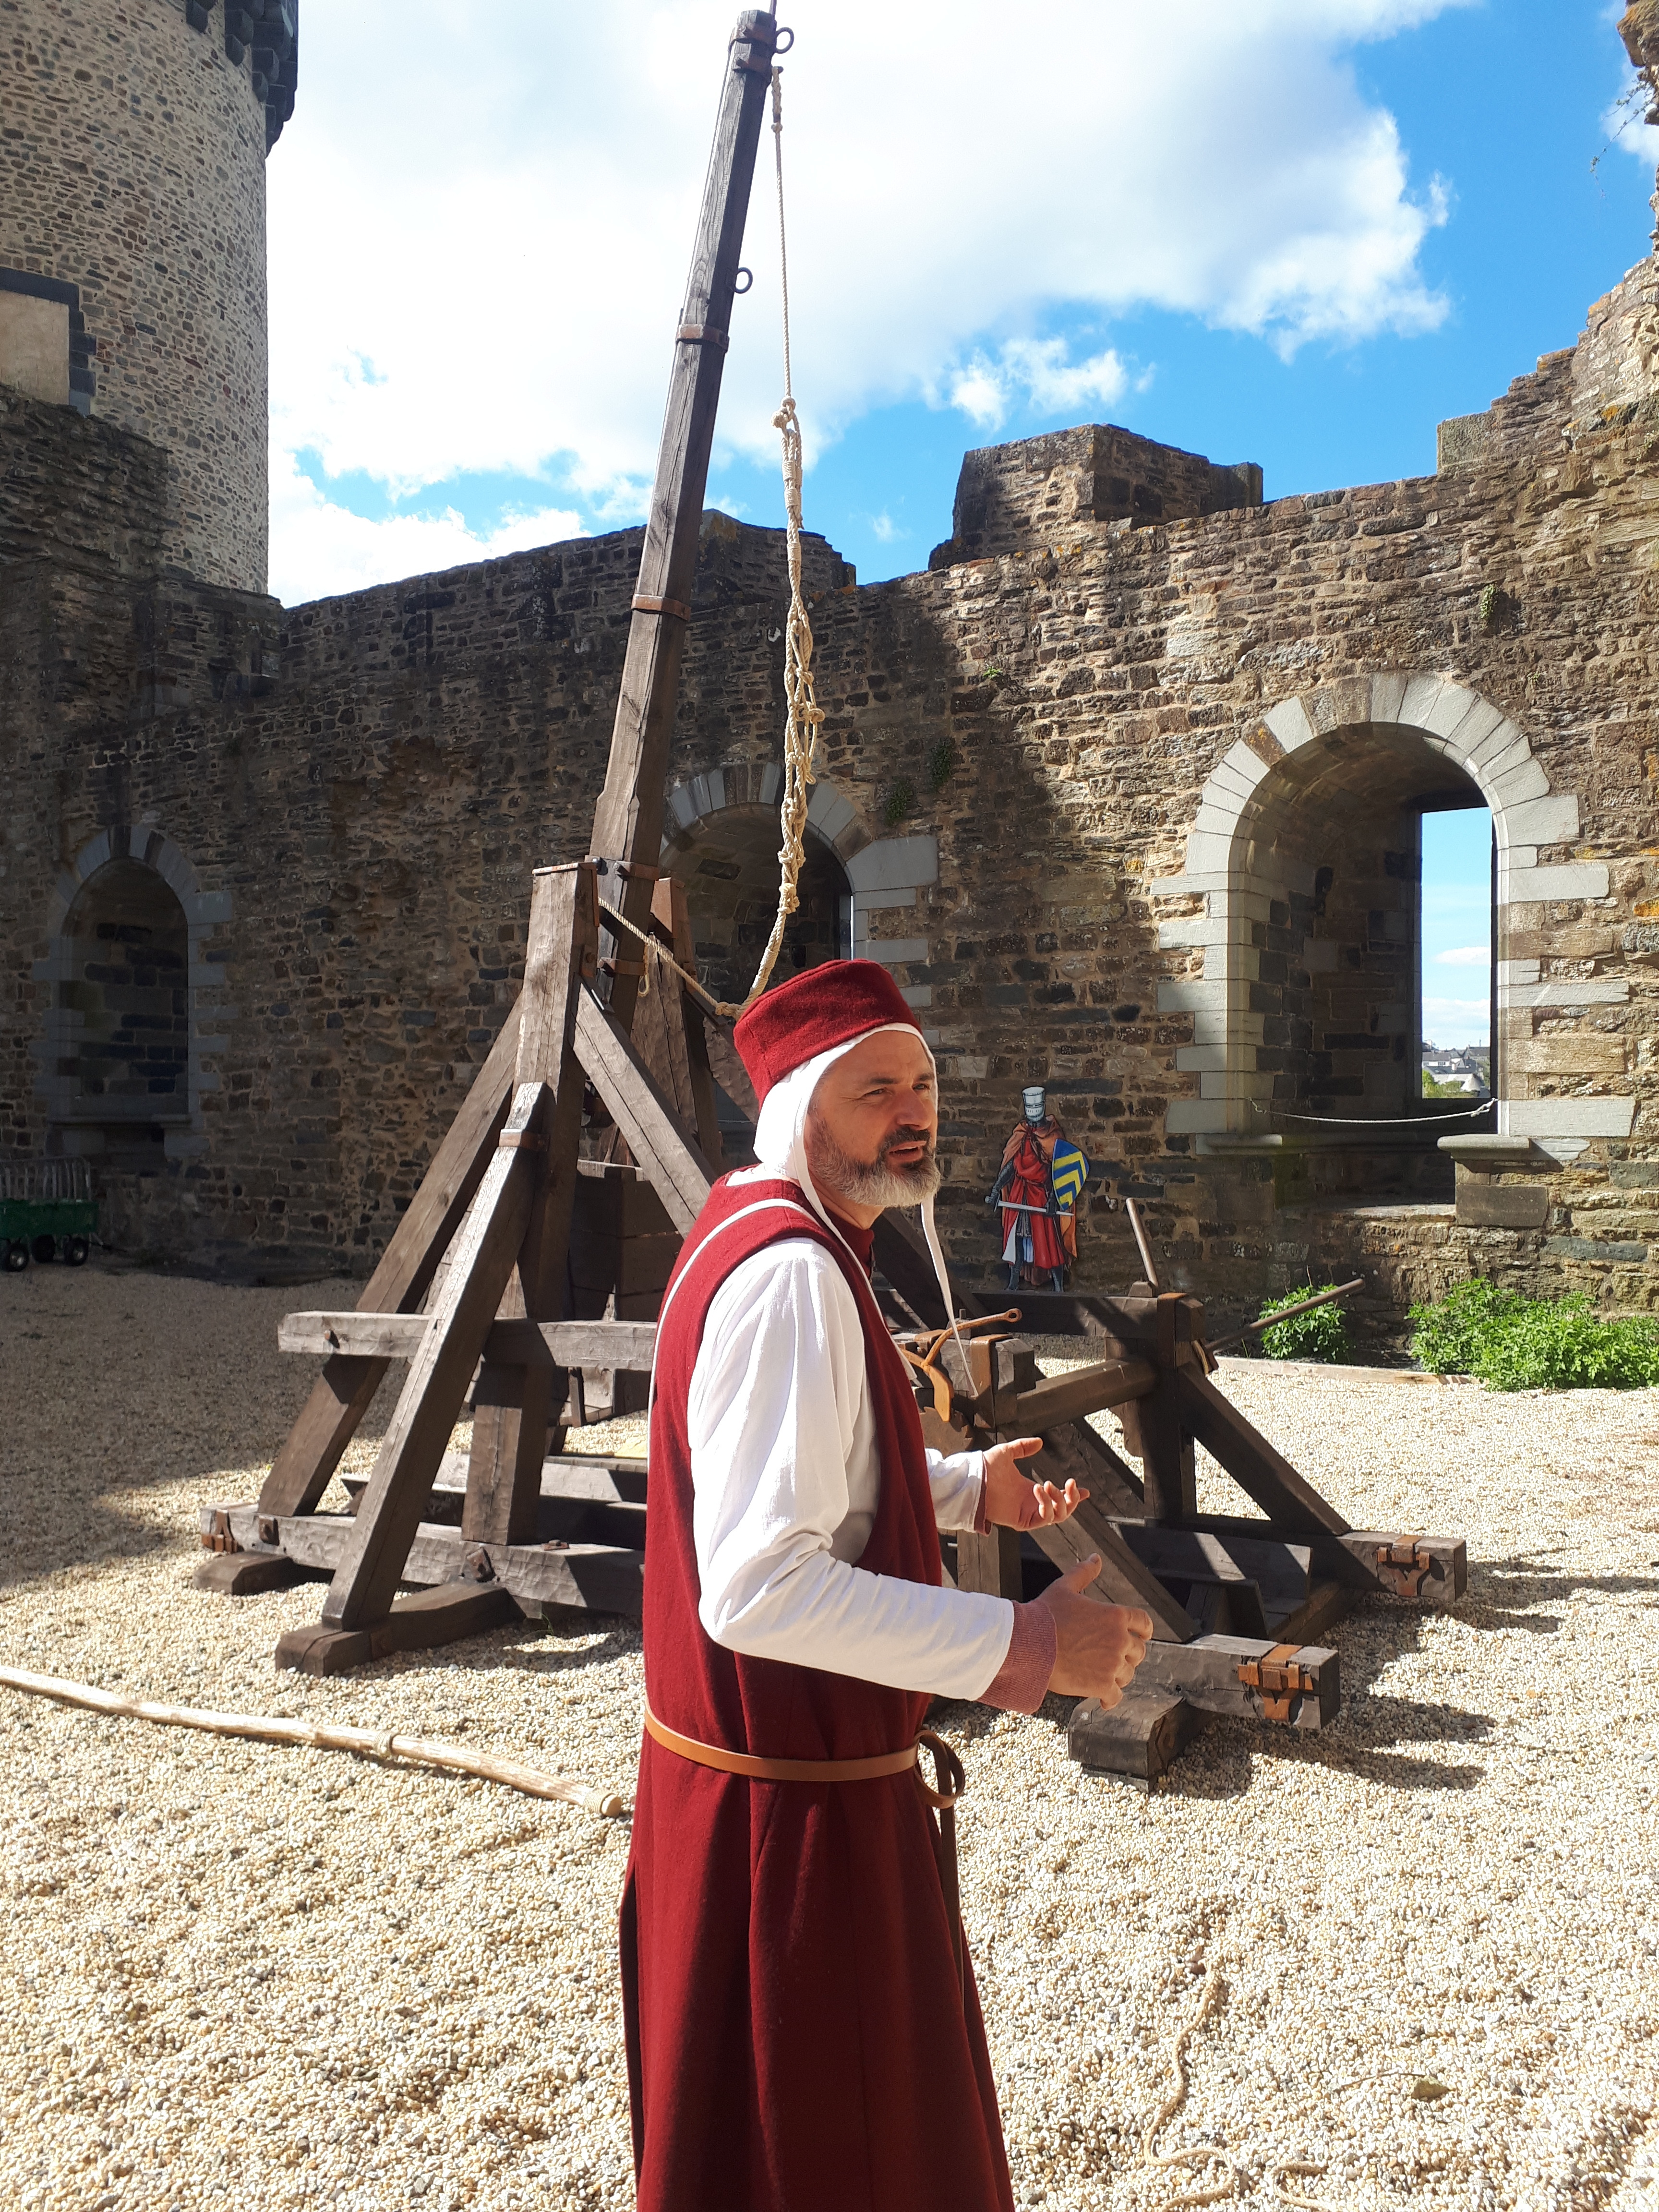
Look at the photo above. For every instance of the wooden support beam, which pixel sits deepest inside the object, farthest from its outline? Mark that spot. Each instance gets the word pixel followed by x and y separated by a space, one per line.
pixel 670 914
pixel 1212 1673
pixel 628 820
pixel 629 1345
pixel 1433 1570
pixel 605 1576
pixel 515 1401
pixel 487 1250
pixel 1076 1452
pixel 1086 1391
pixel 1294 1507
pixel 680 1174
pixel 1123 1579
pixel 990 1563
pixel 345 1390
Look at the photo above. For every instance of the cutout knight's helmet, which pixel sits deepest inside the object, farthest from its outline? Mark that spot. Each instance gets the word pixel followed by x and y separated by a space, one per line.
pixel 1034 1100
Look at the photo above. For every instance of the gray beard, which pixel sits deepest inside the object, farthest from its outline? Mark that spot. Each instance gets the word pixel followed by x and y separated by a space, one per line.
pixel 868 1182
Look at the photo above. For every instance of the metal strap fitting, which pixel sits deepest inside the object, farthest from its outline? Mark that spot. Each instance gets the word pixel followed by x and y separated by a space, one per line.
pixel 1403 1568
pixel 641 606
pixel 703 334
pixel 1278 1679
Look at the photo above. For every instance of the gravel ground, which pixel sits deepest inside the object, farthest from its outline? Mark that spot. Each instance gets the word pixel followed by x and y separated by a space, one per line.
pixel 245 1976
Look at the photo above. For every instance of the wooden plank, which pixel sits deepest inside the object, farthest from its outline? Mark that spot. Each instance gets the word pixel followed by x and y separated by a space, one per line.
pixel 679 1172
pixel 487 1250
pixel 628 822
pixel 732 1077
pixel 626 1343
pixel 606 1577
pixel 1158 1435
pixel 345 1390
pixel 379 1336
pixel 1094 1389
pixel 514 1402
pixel 245 1574
pixel 1294 1506
pixel 1139 1739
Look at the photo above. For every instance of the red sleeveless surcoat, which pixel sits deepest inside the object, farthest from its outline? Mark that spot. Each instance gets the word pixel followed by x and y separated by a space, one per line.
pixel 797 2037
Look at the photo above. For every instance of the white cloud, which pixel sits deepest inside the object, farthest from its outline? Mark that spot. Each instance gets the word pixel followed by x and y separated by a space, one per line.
pixel 884 529
pixel 1465 956
pixel 1625 120
pixel 1452 1022
pixel 318 548
pixel 480 220
pixel 986 390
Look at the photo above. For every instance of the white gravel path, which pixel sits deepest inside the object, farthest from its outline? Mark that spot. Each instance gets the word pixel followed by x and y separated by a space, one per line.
pixel 236 1976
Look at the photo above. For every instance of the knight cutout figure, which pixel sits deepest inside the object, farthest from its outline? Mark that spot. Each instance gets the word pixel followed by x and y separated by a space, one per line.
pixel 1043 1173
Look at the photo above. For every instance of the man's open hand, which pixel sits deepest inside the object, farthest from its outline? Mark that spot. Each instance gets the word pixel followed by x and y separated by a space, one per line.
pixel 1012 1501
pixel 1100 1645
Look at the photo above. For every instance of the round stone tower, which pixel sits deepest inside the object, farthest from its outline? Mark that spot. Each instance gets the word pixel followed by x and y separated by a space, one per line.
pixel 132 239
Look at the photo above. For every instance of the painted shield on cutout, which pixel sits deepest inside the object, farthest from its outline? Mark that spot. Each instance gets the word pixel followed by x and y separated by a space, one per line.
pixel 1070 1172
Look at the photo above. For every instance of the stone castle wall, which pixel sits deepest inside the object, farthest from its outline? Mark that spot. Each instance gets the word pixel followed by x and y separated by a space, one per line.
pixel 132 204
pixel 1084 790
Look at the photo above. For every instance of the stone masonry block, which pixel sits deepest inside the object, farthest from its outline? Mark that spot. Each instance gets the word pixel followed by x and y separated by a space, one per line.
pixel 1541 821
pixel 894 864
pixel 1570 1117
pixel 1579 879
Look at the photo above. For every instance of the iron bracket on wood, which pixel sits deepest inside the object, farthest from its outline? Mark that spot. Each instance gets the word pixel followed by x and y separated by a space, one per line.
pixel 1279 1678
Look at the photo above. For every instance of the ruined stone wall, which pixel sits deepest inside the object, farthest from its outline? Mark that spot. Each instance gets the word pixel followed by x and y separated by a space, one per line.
pixel 132 188
pixel 1092 734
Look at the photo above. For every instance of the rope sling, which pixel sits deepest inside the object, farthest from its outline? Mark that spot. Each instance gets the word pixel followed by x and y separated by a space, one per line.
pixel 803 716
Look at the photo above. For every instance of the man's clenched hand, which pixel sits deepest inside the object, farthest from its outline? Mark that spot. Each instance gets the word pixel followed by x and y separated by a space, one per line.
pixel 1100 1645
pixel 1012 1501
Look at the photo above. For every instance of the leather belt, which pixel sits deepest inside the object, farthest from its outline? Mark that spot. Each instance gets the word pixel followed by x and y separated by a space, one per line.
pixel 947 1776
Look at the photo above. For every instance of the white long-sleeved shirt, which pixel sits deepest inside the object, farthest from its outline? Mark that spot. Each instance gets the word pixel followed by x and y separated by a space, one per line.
pixel 786 1478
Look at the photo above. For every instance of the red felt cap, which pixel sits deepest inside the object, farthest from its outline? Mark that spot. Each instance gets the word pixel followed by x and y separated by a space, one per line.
pixel 814 1012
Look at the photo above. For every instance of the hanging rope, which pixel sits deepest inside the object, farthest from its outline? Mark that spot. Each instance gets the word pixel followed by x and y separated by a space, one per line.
pixel 802 713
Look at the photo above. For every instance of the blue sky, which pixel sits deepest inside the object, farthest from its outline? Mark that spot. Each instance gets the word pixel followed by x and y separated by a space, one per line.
pixel 1297 232
pixel 468 345
pixel 1457 926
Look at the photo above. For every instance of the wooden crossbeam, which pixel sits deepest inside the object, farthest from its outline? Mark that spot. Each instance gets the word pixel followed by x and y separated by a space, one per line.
pixel 628 1344
pixel 681 1174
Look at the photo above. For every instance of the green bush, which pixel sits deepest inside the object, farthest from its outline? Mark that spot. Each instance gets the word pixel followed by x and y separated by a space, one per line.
pixel 1447 1334
pixel 1514 1343
pixel 1320 1333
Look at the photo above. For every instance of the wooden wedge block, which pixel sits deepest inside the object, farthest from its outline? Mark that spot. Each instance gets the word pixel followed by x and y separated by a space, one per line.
pixel 1139 1739
pixel 243 1574
pixel 430 1617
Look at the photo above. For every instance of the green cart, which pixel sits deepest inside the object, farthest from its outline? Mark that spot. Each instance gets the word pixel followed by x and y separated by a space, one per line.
pixel 47 1213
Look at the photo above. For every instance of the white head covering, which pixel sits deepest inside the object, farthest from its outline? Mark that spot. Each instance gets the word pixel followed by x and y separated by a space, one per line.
pixel 780 1144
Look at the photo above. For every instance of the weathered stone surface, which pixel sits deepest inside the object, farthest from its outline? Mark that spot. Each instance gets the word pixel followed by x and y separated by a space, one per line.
pixel 140 182
pixel 1130 805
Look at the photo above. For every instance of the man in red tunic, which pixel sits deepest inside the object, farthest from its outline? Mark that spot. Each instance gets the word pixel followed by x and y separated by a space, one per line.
pixel 801 2035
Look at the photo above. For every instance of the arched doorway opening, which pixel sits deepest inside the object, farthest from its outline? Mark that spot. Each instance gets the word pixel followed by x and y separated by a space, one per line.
pixel 1326 1010
pixel 123 1057
pixel 728 863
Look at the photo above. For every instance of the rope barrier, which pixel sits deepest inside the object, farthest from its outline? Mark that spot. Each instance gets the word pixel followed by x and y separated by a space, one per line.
pixel 1369 1122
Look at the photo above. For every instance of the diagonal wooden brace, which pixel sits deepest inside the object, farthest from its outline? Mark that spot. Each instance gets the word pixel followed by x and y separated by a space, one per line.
pixel 481 1262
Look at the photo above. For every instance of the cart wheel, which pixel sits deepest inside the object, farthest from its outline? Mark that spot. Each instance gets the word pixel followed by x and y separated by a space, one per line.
pixel 75 1251
pixel 16 1258
pixel 44 1249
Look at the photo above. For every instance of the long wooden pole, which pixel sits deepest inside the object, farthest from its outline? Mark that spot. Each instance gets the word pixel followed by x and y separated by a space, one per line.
pixel 627 821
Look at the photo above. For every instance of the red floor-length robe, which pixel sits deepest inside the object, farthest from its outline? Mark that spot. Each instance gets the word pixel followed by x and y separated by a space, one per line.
pixel 797 2037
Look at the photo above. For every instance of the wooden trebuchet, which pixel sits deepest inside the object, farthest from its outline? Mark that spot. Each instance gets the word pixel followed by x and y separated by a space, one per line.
pixel 476 1291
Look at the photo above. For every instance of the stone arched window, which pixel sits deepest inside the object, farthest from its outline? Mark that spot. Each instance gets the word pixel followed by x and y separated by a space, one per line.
pixel 121 1076
pixel 1301 908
